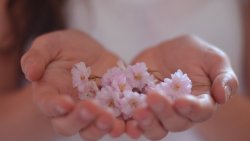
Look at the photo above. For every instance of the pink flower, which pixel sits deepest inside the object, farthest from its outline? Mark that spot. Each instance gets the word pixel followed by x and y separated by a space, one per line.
pixel 80 74
pixel 130 102
pixel 124 88
pixel 116 78
pixel 161 88
pixel 178 85
pixel 120 83
pixel 109 98
pixel 112 73
pixel 88 90
pixel 139 76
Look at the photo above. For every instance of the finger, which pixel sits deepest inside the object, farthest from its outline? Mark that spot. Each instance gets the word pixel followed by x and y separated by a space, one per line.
pixel 42 52
pixel 81 117
pixel 224 86
pixel 224 80
pixel 149 125
pixel 99 128
pixel 197 109
pixel 50 102
pixel 118 129
pixel 132 129
pixel 164 111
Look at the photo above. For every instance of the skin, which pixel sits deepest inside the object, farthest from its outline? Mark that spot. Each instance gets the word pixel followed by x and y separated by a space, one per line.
pixel 213 82
pixel 46 62
pixel 48 66
pixel 19 103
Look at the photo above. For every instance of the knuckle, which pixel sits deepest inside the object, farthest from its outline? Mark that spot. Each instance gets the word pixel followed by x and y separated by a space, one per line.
pixel 220 56
pixel 216 54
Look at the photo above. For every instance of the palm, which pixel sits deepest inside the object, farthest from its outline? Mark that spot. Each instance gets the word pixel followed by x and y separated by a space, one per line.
pixel 212 78
pixel 186 55
pixel 74 47
pixel 48 65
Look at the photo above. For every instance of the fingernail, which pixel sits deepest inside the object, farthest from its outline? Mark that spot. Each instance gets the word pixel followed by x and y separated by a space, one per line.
pixel 102 125
pixel 227 92
pixel 86 115
pixel 185 110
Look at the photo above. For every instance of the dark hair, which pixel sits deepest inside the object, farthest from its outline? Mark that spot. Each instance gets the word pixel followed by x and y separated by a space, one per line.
pixel 30 18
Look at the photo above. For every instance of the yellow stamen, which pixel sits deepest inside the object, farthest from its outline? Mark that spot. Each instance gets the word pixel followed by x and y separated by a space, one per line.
pixel 82 77
pixel 138 77
pixel 122 87
pixel 111 104
pixel 177 87
pixel 133 103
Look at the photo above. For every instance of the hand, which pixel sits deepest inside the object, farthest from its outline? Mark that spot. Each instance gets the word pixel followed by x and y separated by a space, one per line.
pixel 213 82
pixel 48 66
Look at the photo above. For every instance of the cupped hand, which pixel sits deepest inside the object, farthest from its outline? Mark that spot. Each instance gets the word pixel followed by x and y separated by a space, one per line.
pixel 213 80
pixel 47 64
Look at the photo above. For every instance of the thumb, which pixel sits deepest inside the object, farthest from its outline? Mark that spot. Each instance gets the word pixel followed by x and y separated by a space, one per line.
pixel 224 85
pixel 41 53
pixel 222 76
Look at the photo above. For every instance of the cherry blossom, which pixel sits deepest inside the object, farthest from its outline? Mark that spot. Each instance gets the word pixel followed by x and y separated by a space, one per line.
pixel 109 98
pixel 139 77
pixel 178 85
pixel 88 90
pixel 80 75
pixel 124 88
pixel 130 102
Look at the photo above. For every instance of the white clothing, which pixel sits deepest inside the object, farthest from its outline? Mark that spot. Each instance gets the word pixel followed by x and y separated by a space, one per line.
pixel 126 27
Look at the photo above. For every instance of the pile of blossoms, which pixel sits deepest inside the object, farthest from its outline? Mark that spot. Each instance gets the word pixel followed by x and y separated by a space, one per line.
pixel 125 88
